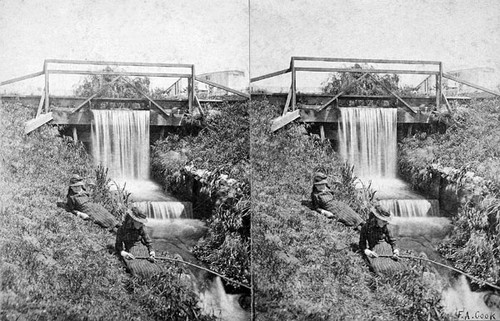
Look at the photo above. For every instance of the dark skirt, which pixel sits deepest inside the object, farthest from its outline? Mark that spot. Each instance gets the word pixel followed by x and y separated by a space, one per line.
pixel 142 267
pixel 384 265
pixel 99 215
pixel 343 213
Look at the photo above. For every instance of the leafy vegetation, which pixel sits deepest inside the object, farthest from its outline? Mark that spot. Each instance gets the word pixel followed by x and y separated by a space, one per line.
pixel 53 265
pixel 304 266
pixel 210 167
pixel 466 155
pixel 355 83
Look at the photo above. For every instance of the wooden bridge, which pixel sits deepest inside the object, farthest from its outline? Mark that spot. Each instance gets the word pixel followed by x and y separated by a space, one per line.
pixel 71 110
pixel 323 109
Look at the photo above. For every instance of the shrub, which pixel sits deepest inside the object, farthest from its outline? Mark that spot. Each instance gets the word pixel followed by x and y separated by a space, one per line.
pixel 216 182
pixel 466 154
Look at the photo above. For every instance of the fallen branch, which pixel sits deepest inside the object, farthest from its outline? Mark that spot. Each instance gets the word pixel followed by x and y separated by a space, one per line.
pixel 445 266
pixel 196 266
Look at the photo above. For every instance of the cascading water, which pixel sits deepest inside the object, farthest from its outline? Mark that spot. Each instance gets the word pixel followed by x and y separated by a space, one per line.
pixel 120 142
pixel 368 140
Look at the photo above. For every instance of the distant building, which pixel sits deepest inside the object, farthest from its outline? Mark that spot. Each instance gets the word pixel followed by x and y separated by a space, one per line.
pixel 483 76
pixel 234 79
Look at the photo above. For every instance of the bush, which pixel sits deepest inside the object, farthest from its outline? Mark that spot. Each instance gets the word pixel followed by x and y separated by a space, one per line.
pixel 216 182
pixel 467 155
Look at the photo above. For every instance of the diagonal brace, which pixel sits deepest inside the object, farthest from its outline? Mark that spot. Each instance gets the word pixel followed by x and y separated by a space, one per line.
pixel 394 94
pixel 342 92
pixel 106 86
pixel 163 111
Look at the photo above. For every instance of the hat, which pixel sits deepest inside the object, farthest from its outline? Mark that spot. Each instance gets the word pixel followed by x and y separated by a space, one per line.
pixel 80 183
pixel 318 176
pixel 323 181
pixel 381 213
pixel 137 215
pixel 75 179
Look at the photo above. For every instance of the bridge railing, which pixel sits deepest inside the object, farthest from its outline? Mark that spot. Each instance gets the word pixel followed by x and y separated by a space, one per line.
pixel 187 72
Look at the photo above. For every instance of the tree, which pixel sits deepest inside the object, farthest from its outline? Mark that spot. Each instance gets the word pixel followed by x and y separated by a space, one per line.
pixel 93 84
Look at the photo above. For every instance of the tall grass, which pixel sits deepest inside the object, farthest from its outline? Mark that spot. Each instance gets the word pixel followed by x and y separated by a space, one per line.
pixel 53 265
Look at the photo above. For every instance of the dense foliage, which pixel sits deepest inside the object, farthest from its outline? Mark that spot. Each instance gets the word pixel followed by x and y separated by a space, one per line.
pixel 356 83
pixel 305 267
pixel 466 155
pixel 211 169
pixel 53 265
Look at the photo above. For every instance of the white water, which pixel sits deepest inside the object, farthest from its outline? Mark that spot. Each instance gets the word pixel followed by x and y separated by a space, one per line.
pixel 120 142
pixel 367 139
pixel 459 301
pixel 411 207
pixel 166 210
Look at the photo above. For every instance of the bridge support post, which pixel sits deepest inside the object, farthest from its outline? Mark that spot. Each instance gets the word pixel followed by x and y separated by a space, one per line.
pixel 75 134
pixel 439 85
pixel 191 90
pixel 46 72
pixel 294 84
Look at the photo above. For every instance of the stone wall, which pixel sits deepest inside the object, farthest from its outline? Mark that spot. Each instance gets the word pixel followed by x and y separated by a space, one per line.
pixel 452 187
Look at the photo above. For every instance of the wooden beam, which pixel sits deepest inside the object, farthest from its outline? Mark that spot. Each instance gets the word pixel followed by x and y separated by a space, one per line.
pixel 13 80
pixel 287 103
pixel 198 105
pixel 33 124
pixel 191 90
pixel 374 71
pixel 422 82
pixel 75 134
pixel 294 85
pixel 163 112
pixel 116 63
pixel 47 103
pixel 394 94
pixel 270 75
pixel 281 121
pixel 40 104
pixel 121 73
pixel 96 94
pixel 439 86
pixel 448 107
pixel 342 92
pixel 239 93
pixel 378 61
pixel 448 76
pixel 173 85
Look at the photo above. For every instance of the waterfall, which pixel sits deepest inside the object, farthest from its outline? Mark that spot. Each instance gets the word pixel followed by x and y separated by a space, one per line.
pixel 411 207
pixel 166 210
pixel 367 139
pixel 120 141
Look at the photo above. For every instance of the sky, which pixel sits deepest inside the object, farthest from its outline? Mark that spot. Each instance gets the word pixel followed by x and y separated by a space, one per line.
pixel 254 36
pixel 213 35
pixel 460 33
